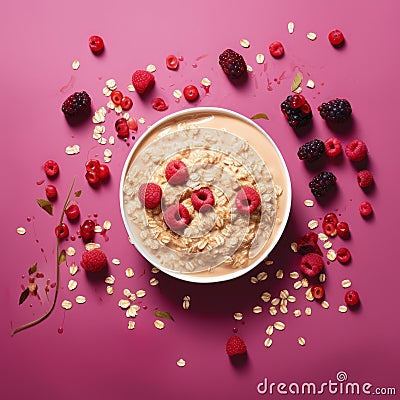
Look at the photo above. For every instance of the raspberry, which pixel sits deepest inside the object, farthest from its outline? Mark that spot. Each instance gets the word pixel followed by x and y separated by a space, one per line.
pixel 235 346
pixel 311 264
pixel 351 298
pixel 333 147
pixel 296 110
pixel 159 104
pixel 365 178
pixel 177 217
pixel 176 172
pixel 247 200
pixel 51 168
pixel 308 244
pixel 94 260
pixel 343 255
pixel 150 195
pixel 142 81
pixel 202 199
pixel 336 110
pixel 76 104
pixel 276 49
pixel 356 150
pixel 232 64
pixel 321 183
pixel 311 151
pixel 365 209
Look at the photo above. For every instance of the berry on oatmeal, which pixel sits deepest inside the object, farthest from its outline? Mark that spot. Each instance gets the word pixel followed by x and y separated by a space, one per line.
pixel 308 243
pixel 202 199
pixel 333 147
pixel 61 230
pixel 159 104
pixel 191 93
pixel 356 150
pixel 276 49
pixel 321 183
pixel 96 44
pixel 176 172
pixel 176 217
pixel 352 298
pixel 247 200
pixel 318 292
pixel 365 178
pixel 51 168
pixel 343 230
pixel 311 264
pixel 76 104
pixel 296 110
pixel 343 255
pixel 235 346
pixel 94 260
pixel 142 81
pixel 336 110
pixel 150 195
pixel 336 38
pixel 311 151
pixel 232 64
pixel 172 62
pixel 365 209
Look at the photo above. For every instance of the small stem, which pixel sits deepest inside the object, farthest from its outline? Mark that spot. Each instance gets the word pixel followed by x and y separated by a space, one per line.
pixel 44 316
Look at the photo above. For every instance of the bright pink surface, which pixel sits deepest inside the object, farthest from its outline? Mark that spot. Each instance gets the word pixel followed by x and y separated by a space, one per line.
pixel 97 357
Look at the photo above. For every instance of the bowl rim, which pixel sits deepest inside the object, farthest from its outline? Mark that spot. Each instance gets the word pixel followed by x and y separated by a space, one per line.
pixel 236 272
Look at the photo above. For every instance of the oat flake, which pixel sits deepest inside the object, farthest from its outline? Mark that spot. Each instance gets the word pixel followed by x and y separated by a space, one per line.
pixel 206 82
pixel 325 304
pixel 297 285
pixel 308 203
pixel 115 261
pixel 280 326
pixel 70 251
pixel 322 237
pixel 151 68
pixel 181 362
pixel 308 311
pixel 110 280
pixel 91 246
pixel 331 255
pixel 342 309
pixel 313 224
pixel 346 283
pixel 124 304
pixel 311 35
pixel 238 316
pixel 309 295
pixel 72 284
pixel 249 68
pixel 153 282
pixel 75 64
pixel 159 324
pixel 141 120
pixel 177 94
pixel 257 309
pixel 294 274
pixel 141 293
pixel 279 274
pixel 310 84
pixel 73 269
pixel 327 244
pixel 268 342
pixel 290 27
pixel 109 290
pixel 131 325
pixel 244 43
pixel 273 310
pixel 131 88
pixel 21 231
pixel 322 277
pixel 260 58
pixel 129 272
pixel 80 299
pixel 293 246
pixel 301 341
pixel 270 330
pixel 266 297
pixel 262 276
pixel 253 279
pixel 66 304
pixel 297 313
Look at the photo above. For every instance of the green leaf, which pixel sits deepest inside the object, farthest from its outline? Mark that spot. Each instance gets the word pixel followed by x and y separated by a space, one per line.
pixel 78 193
pixel 32 269
pixel 46 205
pixel 297 81
pixel 24 296
pixel 62 257
pixel 163 314
pixel 260 116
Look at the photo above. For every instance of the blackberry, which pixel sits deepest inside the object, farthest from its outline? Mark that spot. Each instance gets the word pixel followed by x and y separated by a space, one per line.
pixel 321 183
pixel 296 110
pixel 76 104
pixel 232 64
pixel 312 150
pixel 336 110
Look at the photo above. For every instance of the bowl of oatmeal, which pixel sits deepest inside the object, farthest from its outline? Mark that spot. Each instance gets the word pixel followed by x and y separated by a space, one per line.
pixel 225 156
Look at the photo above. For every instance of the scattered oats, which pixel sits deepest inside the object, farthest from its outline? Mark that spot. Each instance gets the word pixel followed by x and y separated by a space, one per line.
pixel 141 120
pixel 331 255
pixel 98 117
pixel 322 237
pixel 107 159
pixel 115 261
pixel 75 64
pixel 70 251
pixel 308 203
pixel 301 341
pixel 72 284
pixel 118 109
pixel 293 246
pixel 297 285
pixel 99 129
pixel 266 297
pixel 131 88
pixel 127 293
pixel 284 294
pixel 257 309
pixel 129 272
pixel 297 313
pixel 273 310
pixel 107 225
pixel 279 274
pixel 253 279
pixel 66 304
pixel 280 326
pixel 244 43
pixel 111 84
pixel 313 224
pixel 290 27
pixel 131 312
pixel 327 244
pixel 126 116
pixel 96 136
pixel 111 140
pixel 132 297
pixel 151 68
pixel 325 304
pixel 155 270
pixel 270 330
pixel 141 293
pixel 206 82
pixel 91 246
pixel 102 140
pixel 98 229
pixel 111 105
pixel 284 302
pixel 342 309
pixel 154 282
pixel 106 91
pixel 181 362
pixel 283 309
pixel 124 304
pixel 186 302
pixel 80 299
pixel 308 311
pixel 268 342
pixel 73 269
pixel 107 153
pixel 262 276
pixel 131 325
pixel 291 299
pixel 177 94
pixel 249 68
pixel 346 283
pixel 309 295
pixel 269 262
pixel 294 274
pixel 322 277
pixel 110 289
pixel 311 35
pixel 159 324
pixel 304 282
pixel 298 90
pixel 71 150
pixel 260 58
pixel 275 301
pixel 310 84
pixel 238 316
pixel 21 230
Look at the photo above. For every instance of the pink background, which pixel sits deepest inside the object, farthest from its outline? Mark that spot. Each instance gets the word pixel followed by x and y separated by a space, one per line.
pixel 97 356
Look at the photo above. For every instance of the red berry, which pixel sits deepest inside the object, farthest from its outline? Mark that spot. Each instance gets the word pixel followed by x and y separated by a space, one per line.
pixel 329 224
pixel 61 231
pixel 159 104
pixel 356 150
pixel 308 244
pixel 94 260
pixel 202 199
pixel 343 255
pixel 311 264
pixel 121 126
pixel 103 171
pixel 132 124
pixel 332 218
pixel 51 168
pixel 92 165
pixel 364 178
pixel 351 298
pixel 191 93
pixel 336 38
pixel 87 230
pixel 333 147
pixel 51 191
pixel 72 212
pixel 92 177
pixel 176 172
pixel 116 97
pixel 235 346
pixel 96 44
pixel 297 101
pixel 365 209
pixel 276 49
pixel 247 200
pixel 172 62
pixel 126 103
pixel 142 81
pixel 305 108
pixel 177 217
pixel 150 195
pixel 343 230
pixel 318 292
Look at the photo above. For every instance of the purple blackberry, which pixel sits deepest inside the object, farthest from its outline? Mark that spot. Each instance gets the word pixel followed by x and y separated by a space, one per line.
pixel 321 183
pixel 232 64
pixel 76 104
pixel 296 110
pixel 336 110
pixel 312 150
